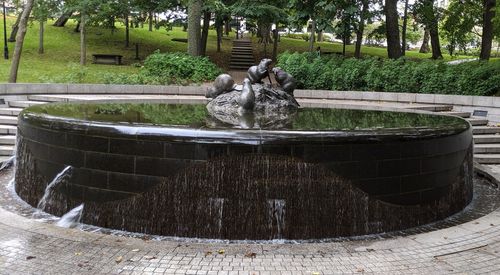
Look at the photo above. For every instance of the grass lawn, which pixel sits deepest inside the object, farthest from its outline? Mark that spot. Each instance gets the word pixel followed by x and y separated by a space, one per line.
pixel 300 45
pixel 60 62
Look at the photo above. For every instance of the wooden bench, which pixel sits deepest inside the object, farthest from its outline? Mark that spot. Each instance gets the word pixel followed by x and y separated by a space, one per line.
pixel 107 59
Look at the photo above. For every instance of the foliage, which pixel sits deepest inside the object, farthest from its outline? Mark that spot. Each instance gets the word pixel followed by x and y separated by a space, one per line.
pixel 402 75
pixel 171 68
pixel 459 20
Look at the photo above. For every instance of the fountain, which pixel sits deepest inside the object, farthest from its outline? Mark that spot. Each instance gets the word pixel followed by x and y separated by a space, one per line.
pixel 251 165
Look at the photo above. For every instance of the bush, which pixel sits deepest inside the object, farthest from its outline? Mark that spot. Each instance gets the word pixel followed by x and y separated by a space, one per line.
pixel 386 75
pixel 170 68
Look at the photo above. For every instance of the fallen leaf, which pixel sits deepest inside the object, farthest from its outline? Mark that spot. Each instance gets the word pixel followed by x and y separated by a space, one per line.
pixel 119 259
pixel 315 273
pixel 149 257
pixel 370 249
pixel 80 265
pixel 135 250
pixel 251 255
pixel 208 253
pixel 221 251
pixel 492 224
pixel 360 270
pixel 78 253
pixel 30 257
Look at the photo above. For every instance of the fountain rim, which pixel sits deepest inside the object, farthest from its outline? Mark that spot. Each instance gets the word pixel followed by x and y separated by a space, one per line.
pixel 235 135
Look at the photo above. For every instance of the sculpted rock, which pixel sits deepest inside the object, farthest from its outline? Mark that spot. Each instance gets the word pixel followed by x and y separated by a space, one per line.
pixel 286 81
pixel 224 83
pixel 257 73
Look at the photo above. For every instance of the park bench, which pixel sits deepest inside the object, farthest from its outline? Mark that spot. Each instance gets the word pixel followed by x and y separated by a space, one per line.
pixel 107 59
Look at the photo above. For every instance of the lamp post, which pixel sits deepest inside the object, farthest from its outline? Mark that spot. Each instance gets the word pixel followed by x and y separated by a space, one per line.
pixel 5 47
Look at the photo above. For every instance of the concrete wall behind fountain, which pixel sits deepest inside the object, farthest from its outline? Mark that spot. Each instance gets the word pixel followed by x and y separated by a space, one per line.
pixel 245 184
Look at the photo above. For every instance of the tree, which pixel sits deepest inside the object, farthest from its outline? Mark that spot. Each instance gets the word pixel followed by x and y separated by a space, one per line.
pixel 194 27
pixel 364 14
pixel 427 13
pixel 319 12
pixel 16 58
pixel 459 21
pixel 405 27
pixel 488 31
pixel 42 11
pixel 392 29
pixel 265 14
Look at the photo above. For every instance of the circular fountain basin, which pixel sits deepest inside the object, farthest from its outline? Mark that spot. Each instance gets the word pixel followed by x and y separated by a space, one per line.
pixel 174 170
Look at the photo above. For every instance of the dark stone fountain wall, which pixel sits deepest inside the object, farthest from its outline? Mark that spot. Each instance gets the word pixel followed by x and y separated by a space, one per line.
pixel 237 184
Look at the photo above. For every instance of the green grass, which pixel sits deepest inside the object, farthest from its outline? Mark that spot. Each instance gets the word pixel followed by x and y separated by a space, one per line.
pixel 300 45
pixel 60 62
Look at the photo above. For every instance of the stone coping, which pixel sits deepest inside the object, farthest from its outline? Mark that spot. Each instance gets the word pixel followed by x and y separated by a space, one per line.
pixel 32 89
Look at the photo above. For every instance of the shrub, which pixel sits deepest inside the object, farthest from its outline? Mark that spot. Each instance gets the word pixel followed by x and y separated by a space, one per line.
pixel 386 75
pixel 169 68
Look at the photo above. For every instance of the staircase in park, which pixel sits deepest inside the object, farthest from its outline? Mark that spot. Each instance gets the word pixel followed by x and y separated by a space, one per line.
pixel 486 137
pixel 242 55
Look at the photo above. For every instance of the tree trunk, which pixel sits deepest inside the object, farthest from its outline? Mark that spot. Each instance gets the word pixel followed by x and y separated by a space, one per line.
pixel 312 38
pixel 405 26
pixel 63 19
pixel 434 33
pixel 16 58
pixel 83 41
pixel 219 27
pixel 15 28
pixel 487 37
pixel 77 28
pixel 320 36
pixel 227 26
pixel 392 28
pixel 275 43
pixel 425 44
pixel 204 33
pixel 361 29
pixel 151 21
pixel 40 41
pixel 127 31
pixel 194 27
pixel 344 42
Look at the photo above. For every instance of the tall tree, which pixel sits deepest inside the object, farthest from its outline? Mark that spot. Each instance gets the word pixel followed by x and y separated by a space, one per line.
pixel 16 58
pixel 488 31
pixel 405 27
pixel 392 28
pixel 428 14
pixel 460 19
pixel 319 12
pixel 42 11
pixel 363 16
pixel 194 27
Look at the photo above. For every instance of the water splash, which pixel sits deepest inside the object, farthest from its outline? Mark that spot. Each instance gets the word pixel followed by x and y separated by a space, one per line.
pixel 72 218
pixel 11 161
pixel 51 187
pixel 277 215
pixel 217 211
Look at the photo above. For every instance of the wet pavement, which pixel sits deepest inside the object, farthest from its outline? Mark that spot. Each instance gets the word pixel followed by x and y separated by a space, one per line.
pixel 468 243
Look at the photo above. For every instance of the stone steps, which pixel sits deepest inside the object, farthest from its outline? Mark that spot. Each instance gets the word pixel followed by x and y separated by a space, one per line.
pixel 480 130
pixel 459 114
pixel 6 150
pixel 241 55
pixel 24 103
pixel 7 139
pixel 46 99
pixel 487 148
pixel 474 121
pixel 8 130
pixel 8 120
pixel 486 139
pixel 10 111
pixel 487 158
